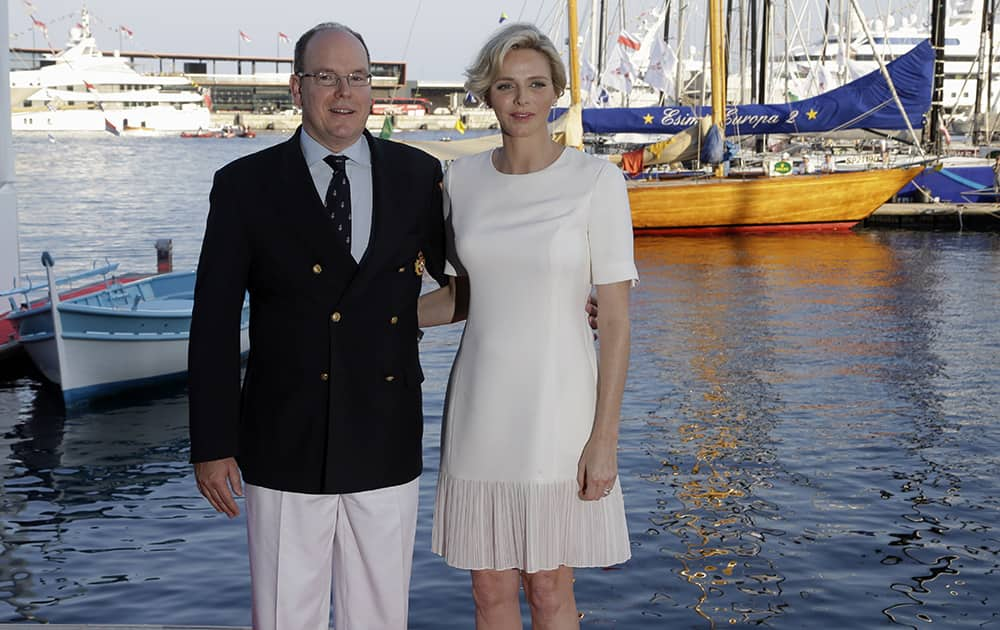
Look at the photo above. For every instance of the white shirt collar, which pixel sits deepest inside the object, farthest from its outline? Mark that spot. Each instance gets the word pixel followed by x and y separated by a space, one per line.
pixel 314 152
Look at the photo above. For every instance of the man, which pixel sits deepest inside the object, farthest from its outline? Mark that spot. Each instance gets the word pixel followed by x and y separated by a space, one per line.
pixel 326 428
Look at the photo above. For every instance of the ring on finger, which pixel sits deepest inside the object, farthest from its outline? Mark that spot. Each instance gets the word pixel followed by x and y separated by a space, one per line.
pixel 607 491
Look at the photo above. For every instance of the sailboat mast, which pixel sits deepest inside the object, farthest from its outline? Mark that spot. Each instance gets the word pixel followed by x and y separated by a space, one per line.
pixel 984 68
pixel 753 50
pixel 939 15
pixel 666 38
pixel 765 58
pixel 574 123
pixel 574 55
pixel 826 33
pixel 602 35
pixel 595 38
pixel 679 80
pixel 989 77
pixel 717 46
pixel 765 51
pixel 743 51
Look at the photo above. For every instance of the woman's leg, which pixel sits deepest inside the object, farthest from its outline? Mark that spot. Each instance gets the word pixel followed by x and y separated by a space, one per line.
pixel 550 596
pixel 496 596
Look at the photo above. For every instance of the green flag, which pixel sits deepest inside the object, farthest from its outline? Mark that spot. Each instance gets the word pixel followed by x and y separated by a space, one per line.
pixel 386 132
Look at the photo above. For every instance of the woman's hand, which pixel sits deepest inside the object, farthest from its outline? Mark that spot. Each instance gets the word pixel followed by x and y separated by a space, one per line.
pixel 598 468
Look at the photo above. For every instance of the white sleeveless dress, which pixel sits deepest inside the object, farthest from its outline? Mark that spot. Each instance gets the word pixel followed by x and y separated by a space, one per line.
pixel 521 397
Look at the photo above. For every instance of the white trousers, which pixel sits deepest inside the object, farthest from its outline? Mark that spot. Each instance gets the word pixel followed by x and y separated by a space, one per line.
pixel 362 541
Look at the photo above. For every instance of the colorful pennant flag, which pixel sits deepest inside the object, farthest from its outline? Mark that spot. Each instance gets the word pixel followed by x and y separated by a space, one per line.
pixel 459 125
pixel 128 32
pixel 503 18
pixel 628 40
pixel 89 86
pixel 619 72
pixel 386 132
pixel 110 128
pixel 244 37
pixel 40 25
pixel 283 37
pixel 662 67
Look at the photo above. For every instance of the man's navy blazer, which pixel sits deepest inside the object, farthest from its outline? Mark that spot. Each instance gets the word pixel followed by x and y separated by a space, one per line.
pixel 330 401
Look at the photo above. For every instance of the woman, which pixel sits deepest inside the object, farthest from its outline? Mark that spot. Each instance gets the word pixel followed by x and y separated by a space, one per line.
pixel 528 484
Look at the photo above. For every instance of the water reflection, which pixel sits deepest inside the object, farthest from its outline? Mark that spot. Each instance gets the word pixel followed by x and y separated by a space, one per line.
pixel 797 426
pixel 82 497
pixel 809 439
pixel 713 433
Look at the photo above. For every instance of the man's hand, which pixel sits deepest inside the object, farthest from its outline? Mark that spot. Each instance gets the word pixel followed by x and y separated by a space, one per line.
pixel 217 481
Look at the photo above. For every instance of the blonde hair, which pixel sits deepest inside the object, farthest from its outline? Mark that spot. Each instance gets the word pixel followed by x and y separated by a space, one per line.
pixel 519 35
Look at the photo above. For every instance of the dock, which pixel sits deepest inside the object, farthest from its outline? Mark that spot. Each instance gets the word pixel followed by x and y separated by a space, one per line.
pixel 953 216
pixel 473 119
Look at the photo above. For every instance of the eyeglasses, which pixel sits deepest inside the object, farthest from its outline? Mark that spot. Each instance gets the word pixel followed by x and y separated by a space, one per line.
pixel 330 79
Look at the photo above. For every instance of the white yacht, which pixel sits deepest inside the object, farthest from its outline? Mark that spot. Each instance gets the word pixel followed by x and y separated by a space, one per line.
pixel 80 89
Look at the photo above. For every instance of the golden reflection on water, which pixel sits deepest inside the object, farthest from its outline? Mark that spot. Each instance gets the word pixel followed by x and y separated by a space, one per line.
pixel 728 403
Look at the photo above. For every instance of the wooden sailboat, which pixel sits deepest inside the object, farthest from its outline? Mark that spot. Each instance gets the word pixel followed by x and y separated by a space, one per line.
pixel 797 202
pixel 727 204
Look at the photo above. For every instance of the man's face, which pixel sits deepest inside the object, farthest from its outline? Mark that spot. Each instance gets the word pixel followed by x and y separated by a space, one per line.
pixel 334 116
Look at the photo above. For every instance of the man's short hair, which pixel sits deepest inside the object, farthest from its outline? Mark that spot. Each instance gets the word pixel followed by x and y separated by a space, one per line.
pixel 300 45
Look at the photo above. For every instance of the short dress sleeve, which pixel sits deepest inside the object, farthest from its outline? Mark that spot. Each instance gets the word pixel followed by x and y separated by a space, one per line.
pixel 452 265
pixel 609 230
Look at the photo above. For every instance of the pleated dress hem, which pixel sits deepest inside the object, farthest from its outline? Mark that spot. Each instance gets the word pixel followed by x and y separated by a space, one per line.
pixel 529 526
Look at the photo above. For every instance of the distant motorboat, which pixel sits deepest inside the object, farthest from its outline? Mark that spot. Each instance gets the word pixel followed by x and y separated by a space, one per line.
pixel 202 133
pixel 122 337
pixel 224 132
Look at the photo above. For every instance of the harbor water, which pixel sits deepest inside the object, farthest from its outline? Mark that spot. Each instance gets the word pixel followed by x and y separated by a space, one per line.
pixel 810 435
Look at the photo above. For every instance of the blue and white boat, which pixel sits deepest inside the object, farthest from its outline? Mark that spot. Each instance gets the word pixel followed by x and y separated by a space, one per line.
pixel 23 298
pixel 122 337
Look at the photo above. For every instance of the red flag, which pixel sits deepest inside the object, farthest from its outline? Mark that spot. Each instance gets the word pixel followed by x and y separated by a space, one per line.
pixel 244 37
pixel 87 85
pixel 126 30
pixel 283 37
pixel 40 24
pixel 110 128
pixel 628 41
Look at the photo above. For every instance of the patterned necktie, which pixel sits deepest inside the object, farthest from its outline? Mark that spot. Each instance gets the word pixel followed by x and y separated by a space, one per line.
pixel 338 199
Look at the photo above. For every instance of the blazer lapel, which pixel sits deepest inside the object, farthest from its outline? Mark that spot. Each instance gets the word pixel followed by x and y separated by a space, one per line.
pixel 307 217
pixel 383 226
pixel 310 216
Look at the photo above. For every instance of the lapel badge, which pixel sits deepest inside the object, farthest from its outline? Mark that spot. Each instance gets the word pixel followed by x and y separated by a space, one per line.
pixel 419 264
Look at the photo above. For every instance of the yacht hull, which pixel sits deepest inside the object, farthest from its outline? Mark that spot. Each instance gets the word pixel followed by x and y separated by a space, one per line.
pixel 820 201
pixel 160 118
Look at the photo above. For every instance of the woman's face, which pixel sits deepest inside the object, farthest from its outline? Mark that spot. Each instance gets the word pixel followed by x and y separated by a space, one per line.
pixel 522 93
